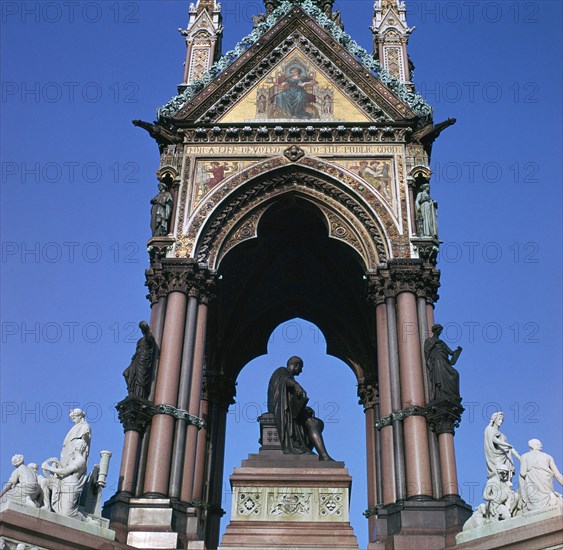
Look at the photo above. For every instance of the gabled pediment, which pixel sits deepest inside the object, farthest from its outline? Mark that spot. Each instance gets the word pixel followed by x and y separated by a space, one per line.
pixel 295 89
pixel 296 71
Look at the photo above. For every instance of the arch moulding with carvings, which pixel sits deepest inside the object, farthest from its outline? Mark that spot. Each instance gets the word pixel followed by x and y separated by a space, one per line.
pixel 230 214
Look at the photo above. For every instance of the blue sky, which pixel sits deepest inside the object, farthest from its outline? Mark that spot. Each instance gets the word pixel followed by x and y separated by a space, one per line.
pixel 77 178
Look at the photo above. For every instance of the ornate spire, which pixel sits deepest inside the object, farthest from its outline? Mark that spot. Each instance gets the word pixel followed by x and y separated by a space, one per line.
pixel 390 38
pixel 203 39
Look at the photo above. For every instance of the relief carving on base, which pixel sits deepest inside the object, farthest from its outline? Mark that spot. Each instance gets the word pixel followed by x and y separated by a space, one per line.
pixel 293 504
pixel 330 504
pixel 249 504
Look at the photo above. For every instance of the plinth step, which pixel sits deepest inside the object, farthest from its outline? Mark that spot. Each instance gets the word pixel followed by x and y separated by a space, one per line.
pixel 258 535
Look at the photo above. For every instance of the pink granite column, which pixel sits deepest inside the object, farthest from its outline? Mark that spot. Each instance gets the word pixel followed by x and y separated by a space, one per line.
pixel 158 314
pixel 430 317
pixel 132 438
pixel 216 457
pixel 432 439
pixel 129 462
pixel 199 472
pixel 166 393
pixel 417 460
pixel 449 471
pixel 371 462
pixel 179 449
pixel 395 384
pixel 194 403
pixel 385 407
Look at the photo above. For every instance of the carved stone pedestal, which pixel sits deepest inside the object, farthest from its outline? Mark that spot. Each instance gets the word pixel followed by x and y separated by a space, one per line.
pixel 421 524
pixel 535 531
pixel 41 528
pixel 288 501
pixel 154 523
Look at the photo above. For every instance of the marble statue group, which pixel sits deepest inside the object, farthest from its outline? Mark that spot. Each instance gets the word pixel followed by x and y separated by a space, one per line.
pixel 535 492
pixel 64 488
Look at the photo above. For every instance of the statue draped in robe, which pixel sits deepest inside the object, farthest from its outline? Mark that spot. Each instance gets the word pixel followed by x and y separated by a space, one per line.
pixel 444 379
pixel 299 430
pixel 137 374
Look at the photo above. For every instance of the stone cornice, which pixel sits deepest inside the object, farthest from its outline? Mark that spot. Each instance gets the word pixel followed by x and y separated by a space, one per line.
pixel 283 132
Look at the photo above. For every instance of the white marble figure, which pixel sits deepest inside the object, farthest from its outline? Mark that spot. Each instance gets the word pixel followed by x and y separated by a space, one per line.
pixel 502 500
pixel 62 489
pixel 22 486
pixel 68 479
pixel 478 518
pixel 80 430
pixel 537 471
pixel 498 452
pixel 39 499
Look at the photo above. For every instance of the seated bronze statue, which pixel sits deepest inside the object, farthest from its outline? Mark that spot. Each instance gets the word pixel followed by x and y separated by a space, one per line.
pixel 299 430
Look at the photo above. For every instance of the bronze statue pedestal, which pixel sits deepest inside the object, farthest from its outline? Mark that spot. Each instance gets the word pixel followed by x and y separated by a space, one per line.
pixel 288 501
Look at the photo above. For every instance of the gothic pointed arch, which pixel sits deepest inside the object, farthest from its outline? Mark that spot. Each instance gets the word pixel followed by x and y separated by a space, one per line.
pixel 287 271
pixel 348 216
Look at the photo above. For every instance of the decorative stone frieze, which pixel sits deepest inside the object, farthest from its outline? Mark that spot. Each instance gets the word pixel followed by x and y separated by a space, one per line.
pixel 283 133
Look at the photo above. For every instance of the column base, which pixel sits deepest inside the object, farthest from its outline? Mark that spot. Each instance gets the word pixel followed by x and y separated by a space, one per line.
pixel 421 524
pixel 154 523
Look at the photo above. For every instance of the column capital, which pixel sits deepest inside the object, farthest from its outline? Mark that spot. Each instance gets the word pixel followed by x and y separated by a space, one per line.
pixel 403 275
pixel 135 413
pixel 443 416
pixel 368 395
pixel 217 388
pixel 186 276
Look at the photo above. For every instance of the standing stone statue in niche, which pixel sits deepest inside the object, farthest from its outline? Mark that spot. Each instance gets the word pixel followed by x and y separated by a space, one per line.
pixel 23 486
pixel 537 471
pixel 426 209
pixel 498 452
pixel 137 374
pixel 444 379
pixel 161 211
pixel 299 430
